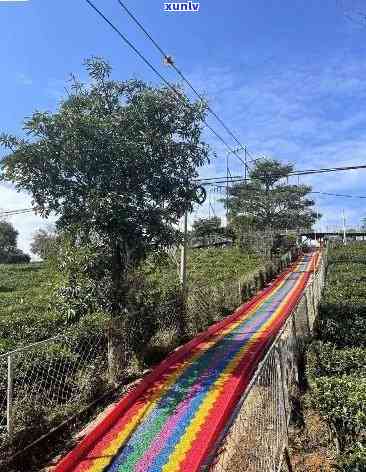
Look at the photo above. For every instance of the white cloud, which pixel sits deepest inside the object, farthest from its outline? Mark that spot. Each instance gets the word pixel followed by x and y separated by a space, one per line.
pixel 25 224
pixel 312 114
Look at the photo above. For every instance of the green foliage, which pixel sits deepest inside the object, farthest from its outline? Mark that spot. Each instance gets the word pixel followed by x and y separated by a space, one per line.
pixel 342 324
pixel 9 253
pixel 215 266
pixel 8 236
pixel 342 402
pixel 44 243
pixel 342 312
pixel 283 243
pixel 326 360
pixel 26 305
pixel 126 155
pixel 353 460
pixel 264 203
pixel 206 227
pixel 337 363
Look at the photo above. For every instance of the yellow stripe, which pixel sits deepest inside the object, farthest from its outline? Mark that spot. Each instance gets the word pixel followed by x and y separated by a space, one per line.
pixel 184 445
pixel 112 449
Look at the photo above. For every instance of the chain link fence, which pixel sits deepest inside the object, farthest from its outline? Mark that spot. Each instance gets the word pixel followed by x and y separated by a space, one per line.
pixel 42 383
pixel 256 437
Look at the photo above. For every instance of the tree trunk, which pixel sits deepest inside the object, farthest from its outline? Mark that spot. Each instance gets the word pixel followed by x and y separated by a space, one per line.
pixel 117 350
pixel 118 345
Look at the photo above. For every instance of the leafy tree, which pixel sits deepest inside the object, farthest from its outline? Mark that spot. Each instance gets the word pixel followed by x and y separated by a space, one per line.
pixel 266 203
pixel 206 227
pixel 9 253
pixel 116 164
pixel 8 236
pixel 43 243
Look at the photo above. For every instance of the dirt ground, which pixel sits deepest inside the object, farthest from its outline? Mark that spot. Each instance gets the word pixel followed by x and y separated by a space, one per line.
pixel 311 447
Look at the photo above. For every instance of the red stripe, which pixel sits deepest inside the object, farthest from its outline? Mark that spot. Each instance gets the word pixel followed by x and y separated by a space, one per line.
pixel 70 461
pixel 241 377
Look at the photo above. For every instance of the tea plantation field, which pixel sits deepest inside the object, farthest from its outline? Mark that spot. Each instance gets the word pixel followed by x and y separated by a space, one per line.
pixel 337 358
pixel 27 291
pixel 26 314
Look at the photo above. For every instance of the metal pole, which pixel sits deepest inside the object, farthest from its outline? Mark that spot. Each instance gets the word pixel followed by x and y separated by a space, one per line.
pixel 183 257
pixel 9 404
pixel 344 228
pixel 245 166
pixel 227 190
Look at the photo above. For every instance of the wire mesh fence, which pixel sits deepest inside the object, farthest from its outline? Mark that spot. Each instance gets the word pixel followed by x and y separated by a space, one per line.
pixel 46 380
pixel 256 437
pixel 207 304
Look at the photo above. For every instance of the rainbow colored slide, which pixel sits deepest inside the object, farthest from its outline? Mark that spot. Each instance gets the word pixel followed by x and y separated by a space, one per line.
pixel 172 419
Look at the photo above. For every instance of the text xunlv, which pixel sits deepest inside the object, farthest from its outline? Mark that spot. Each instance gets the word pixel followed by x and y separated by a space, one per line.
pixel 185 6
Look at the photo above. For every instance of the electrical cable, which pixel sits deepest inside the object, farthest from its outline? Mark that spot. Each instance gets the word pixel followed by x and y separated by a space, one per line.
pixel 169 61
pixel 153 68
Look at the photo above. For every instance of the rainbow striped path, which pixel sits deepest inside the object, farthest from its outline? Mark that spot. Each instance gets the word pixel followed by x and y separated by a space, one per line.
pixel 170 421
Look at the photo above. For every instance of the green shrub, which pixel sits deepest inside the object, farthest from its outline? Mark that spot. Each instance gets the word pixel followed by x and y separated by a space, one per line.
pixel 342 323
pixel 326 360
pixel 354 460
pixel 342 402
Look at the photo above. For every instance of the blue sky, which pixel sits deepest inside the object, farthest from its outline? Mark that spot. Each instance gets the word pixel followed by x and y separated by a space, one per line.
pixel 287 76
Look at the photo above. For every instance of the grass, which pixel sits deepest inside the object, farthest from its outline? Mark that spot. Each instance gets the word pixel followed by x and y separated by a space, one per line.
pixel 209 266
pixel 26 290
pixel 337 359
pixel 25 305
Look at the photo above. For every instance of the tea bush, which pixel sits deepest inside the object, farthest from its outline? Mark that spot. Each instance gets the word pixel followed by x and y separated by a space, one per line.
pixel 354 460
pixel 326 360
pixel 341 401
pixel 336 361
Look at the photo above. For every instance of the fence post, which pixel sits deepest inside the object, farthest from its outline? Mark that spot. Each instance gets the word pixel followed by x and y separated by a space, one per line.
pixel 183 258
pixel 9 404
pixel 285 402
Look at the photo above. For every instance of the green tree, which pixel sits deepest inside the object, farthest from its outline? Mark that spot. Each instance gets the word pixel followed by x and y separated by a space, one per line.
pixel 43 243
pixel 116 164
pixel 9 253
pixel 8 236
pixel 266 203
pixel 204 227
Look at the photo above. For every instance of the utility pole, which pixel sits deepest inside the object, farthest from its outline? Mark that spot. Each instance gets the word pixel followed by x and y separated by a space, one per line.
pixel 245 165
pixel 227 190
pixel 183 256
pixel 344 228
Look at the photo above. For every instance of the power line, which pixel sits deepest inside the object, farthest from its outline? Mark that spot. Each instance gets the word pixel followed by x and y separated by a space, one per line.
pixel 238 179
pixel 339 195
pixel 15 212
pixel 152 67
pixel 327 170
pixel 215 181
pixel 328 194
pixel 169 61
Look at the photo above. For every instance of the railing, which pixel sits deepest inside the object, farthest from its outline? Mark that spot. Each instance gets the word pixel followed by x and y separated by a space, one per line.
pixel 256 437
pixel 49 378
pixel 46 382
